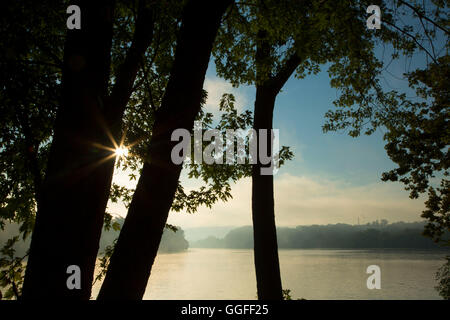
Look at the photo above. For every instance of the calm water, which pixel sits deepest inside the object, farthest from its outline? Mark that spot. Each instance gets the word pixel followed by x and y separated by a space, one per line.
pixel 310 274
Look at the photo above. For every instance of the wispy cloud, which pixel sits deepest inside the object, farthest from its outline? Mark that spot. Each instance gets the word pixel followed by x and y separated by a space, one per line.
pixel 216 87
pixel 304 200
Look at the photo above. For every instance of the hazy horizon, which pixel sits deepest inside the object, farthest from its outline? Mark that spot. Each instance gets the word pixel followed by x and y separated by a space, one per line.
pixel 199 233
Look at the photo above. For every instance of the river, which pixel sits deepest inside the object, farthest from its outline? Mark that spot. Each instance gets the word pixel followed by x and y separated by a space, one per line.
pixel 310 274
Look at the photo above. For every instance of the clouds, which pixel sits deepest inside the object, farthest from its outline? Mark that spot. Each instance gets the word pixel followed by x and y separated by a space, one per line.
pixel 313 200
pixel 299 200
pixel 235 212
pixel 216 87
pixel 304 200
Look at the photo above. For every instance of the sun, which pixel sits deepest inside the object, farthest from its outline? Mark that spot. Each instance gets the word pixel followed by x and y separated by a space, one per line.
pixel 121 152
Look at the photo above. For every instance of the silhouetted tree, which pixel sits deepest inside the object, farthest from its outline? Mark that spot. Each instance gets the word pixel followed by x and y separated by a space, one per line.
pixel 155 191
pixel 79 173
pixel 264 43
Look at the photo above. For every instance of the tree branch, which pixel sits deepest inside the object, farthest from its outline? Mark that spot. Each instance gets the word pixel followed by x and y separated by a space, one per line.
pixel 142 38
pixel 414 39
pixel 40 63
pixel 428 36
pixel 421 15
pixel 31 152
pixel 286 71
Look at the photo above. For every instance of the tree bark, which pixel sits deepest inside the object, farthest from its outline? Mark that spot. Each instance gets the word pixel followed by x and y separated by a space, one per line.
pixel 268 278
pixel 76 188
pixel 138 243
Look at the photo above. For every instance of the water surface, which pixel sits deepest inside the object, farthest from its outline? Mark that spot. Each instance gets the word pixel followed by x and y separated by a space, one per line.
pixel 310 274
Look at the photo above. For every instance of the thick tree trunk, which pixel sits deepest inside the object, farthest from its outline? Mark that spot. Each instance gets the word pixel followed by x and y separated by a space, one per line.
pixel 78 178
pixel 74 196
pixel 138 243
pixel 267 266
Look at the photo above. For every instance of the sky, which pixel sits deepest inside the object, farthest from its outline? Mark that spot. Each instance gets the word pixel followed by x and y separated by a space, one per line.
pixel 333 178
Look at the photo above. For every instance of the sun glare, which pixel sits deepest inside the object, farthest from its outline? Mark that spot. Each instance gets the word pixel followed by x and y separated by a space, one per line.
pixel 121 152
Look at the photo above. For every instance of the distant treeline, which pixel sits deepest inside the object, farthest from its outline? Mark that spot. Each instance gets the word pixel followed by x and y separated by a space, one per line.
pixel 170 241
pixel 345 236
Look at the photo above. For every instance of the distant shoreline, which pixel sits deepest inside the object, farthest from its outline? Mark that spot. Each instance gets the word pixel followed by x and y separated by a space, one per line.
pixel 375 235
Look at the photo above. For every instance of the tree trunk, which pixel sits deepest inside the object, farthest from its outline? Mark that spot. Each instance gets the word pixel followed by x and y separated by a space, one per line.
pixel 268 278
pixel 138 243
pixel 76 188
pixel 267 266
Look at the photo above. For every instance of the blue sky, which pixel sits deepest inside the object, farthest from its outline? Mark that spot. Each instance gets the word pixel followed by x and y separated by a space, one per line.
pixel 300 114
